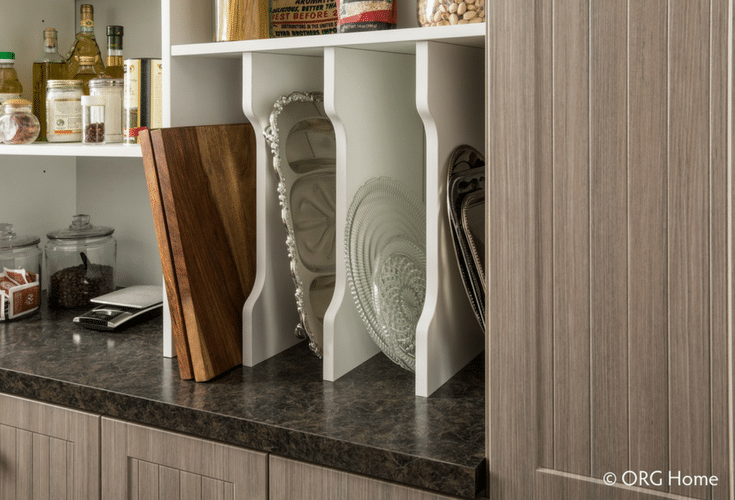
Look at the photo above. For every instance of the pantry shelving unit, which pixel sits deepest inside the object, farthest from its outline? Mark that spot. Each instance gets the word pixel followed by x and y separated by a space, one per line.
pixel 400 101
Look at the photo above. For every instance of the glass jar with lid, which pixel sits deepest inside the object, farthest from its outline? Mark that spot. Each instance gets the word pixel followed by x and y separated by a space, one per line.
pixel 18 124
pixel 10 87
pixel 450 12
pixel 64 111
pixel 80 263
pixel 20 273
pixel 112 91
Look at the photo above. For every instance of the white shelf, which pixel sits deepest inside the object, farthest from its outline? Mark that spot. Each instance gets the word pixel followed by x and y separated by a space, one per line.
pixel 398 40
pixel 72 149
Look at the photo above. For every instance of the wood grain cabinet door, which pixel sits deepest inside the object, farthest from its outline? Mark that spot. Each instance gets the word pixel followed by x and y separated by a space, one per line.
pixel 142 463
pixel 47 452
pixel 292 480
pixel 610 249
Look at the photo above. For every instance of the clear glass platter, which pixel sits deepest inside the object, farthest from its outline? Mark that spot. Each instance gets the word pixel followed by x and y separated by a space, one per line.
pixel 304 154
pixel 385 241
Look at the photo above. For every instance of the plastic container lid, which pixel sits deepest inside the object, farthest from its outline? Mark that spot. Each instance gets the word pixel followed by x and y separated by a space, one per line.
pixel 80 228
pixel 7 57
pixel 8 239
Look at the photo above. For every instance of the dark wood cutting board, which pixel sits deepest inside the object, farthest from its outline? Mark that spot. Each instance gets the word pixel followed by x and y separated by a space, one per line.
pixel 207 180
pixel 178 329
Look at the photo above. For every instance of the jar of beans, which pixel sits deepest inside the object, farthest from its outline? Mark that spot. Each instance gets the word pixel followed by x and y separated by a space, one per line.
pixel 450 12
pixel 80 263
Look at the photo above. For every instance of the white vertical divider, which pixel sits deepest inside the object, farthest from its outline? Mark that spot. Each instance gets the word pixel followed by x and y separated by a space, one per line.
pixel 269 313
pixel 369 97
pixel 450 90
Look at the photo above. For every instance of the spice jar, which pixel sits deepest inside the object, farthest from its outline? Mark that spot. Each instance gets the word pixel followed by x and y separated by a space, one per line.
pixel 93 119
pixel 449 12
pixel 20 274
pixel 80 261
pixel 64 111
pixel 10 87
pixel 112 91
pixel 18 124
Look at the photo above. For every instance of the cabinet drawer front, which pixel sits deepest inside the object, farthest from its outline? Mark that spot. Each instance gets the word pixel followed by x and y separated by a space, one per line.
pixel 292 480
pixel 140 462
pixel 47 452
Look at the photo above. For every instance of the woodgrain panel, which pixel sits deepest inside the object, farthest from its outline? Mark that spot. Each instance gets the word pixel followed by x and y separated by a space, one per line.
pixel 720 168
pixel 647 288
pixel 169 483
pixel 514 94
pixel 202 467
pixel 51 452
pixel 688 197
pixel 571 218
pixel 292 480
pixel 609 236
pixel 147 481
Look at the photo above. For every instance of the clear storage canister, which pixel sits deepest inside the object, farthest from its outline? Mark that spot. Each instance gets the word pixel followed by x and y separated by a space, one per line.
pixel 93 119
pixel 18 124
pixel 80 262
pixel 64 111
pixel 112 91
pixel 450 12
pixel 20 274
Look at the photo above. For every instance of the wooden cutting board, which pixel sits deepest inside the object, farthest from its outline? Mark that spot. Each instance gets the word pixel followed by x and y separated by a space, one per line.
pixel 178 329
pixel 207 180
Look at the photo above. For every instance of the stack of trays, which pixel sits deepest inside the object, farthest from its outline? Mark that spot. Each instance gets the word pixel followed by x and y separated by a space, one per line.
pixel 466 210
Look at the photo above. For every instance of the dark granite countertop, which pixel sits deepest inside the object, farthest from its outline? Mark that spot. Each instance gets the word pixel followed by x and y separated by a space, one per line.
pixel 368 422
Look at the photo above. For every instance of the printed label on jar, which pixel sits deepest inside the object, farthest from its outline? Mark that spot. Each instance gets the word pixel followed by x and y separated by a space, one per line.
pixel 64 116
pixel 302 17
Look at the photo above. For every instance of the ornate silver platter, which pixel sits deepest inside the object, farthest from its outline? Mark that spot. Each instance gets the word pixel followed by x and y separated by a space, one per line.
pixel 304 151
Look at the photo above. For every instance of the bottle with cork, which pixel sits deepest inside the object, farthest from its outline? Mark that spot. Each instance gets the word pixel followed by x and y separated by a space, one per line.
pixel 49 66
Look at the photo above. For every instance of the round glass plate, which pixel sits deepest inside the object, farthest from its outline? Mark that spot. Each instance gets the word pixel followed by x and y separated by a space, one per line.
pixel 386 265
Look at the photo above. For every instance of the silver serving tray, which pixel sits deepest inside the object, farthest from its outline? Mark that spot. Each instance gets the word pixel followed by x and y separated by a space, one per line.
pixel 304 153
pixel 465 176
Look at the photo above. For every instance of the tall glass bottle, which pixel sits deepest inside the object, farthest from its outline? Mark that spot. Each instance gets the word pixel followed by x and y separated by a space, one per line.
pixel 10 87
pixel 85 45
pixel 85 73
pixel 114 67
pixel 49 66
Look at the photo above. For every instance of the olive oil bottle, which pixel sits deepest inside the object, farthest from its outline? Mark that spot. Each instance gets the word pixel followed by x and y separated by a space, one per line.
pixel 114 67
pixel 85 45
pixel 49 66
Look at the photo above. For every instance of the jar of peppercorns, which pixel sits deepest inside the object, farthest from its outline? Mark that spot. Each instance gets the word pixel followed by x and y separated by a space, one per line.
pixel 80 263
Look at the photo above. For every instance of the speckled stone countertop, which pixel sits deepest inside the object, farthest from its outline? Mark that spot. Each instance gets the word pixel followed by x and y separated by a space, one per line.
pixel 368 422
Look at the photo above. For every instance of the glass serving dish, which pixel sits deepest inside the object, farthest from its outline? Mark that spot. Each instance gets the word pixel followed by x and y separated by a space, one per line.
pixel 304 154
pixel 385 237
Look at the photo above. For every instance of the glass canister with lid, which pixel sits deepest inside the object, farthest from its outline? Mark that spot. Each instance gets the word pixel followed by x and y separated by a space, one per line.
pixel 64 111
pixel 20 274
pixel 112 91
pixel 18 124
pixel 80 263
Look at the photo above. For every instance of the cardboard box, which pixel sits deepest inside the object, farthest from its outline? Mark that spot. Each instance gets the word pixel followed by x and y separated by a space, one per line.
pixel 142 97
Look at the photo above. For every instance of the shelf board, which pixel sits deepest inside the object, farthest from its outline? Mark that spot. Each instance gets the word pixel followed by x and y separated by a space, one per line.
pixel 72 149
pixel 398 40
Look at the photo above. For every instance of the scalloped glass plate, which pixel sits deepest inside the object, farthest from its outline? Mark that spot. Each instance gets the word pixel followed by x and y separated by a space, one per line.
pixel 304 153
pixel 386 265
